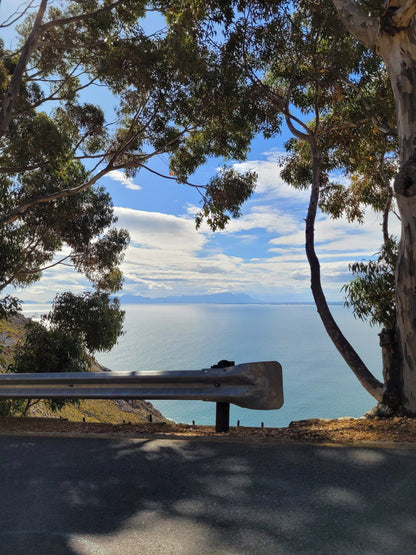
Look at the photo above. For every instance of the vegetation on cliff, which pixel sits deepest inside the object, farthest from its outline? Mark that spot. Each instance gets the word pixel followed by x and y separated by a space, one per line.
pixel 12 333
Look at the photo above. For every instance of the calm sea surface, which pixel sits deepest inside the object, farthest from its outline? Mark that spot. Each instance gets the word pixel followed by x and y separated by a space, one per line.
pixel 316 381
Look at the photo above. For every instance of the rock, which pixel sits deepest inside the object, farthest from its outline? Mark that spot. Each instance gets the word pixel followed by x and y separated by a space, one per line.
pixel 380 411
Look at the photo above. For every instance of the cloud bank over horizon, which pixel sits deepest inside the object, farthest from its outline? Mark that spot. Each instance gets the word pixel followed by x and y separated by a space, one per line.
pixel 260 254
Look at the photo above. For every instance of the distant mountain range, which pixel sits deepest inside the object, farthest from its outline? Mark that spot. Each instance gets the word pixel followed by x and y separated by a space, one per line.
pixel 220 298
pixel 215 298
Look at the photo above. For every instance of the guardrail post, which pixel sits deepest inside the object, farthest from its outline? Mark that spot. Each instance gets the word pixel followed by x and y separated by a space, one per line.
pixel 222 416
pixel 222 419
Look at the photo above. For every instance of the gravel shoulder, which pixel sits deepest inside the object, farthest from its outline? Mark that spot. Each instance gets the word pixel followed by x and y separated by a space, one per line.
pixel 348 431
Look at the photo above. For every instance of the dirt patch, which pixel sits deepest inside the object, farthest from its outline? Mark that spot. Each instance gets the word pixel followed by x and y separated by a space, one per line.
pixel 343 430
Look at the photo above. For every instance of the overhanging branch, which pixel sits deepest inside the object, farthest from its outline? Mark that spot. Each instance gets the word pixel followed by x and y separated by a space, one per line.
pixel 44 199
pixel 81 17
pixel 362 26
pixel 16 80
pixel 402 17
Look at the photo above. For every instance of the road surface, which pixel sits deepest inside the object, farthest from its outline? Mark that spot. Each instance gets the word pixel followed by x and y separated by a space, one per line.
pixel 122 496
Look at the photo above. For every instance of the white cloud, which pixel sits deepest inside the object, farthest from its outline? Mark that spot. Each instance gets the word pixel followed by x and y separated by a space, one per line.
pixel 168 255
pixel 120 176
pixel 159 231
pixel 255 216
pixel 271 219
pixel 269 180
pixel 262 253
pixel 334 237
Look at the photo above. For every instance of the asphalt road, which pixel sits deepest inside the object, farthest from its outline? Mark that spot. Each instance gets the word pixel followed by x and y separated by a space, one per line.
pixel 118 496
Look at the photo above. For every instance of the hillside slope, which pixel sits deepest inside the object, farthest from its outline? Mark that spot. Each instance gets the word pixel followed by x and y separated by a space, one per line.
pixel 108 411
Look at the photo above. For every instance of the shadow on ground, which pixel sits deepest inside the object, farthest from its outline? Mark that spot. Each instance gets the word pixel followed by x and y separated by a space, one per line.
pixel 82 496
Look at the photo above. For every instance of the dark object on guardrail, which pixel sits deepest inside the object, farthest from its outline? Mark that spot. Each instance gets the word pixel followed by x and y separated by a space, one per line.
pixel 223 364
pixel 253 385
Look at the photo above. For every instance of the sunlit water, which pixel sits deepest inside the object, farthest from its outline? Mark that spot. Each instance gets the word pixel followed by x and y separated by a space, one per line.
pixel 317 382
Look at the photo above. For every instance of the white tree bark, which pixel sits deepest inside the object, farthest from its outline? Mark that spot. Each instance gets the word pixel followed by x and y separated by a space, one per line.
pixel 358 23
pixel 16 80
pixel 395 41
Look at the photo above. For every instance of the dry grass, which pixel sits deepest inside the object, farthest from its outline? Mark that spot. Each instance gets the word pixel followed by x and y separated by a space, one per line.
pixel 123 418
pixel 13 330
pixel 316 431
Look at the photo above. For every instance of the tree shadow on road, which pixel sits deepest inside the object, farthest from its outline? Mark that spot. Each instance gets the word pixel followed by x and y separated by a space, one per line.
pixel 81 496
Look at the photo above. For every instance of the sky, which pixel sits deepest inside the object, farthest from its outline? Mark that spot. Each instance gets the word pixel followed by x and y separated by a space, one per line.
pixel 260 254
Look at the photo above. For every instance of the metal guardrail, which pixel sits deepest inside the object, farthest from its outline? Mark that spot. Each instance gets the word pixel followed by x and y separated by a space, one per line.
pixel 254 385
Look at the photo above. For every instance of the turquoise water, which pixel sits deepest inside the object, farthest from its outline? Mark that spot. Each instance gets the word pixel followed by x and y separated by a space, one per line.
pixel 316 381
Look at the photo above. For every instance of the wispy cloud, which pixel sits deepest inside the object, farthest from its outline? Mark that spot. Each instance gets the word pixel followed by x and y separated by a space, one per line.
pixel 262 253
pixel 159 231
pixel 117 175
pixel 270 182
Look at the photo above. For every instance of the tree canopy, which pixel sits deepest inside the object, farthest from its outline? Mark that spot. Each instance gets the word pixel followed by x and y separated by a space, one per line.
pixel 339 74
pixel 56 144
pixel 307 72
pixel 55 147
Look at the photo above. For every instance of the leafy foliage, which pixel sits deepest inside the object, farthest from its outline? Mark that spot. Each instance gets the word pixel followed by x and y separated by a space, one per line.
pixel 171 94
pixel 224 194
pixel 371 293
pixel 50 350
pixel 93 317
pixel 47 350
pixel 10 407
pixel 77 326
pixel 9 306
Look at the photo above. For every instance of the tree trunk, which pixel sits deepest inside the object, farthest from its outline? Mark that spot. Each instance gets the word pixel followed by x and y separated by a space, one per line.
pixel 398 50
pixel 391 368
pixel 367 380
pixel 12 92
pixel 394 36
pixel 27 407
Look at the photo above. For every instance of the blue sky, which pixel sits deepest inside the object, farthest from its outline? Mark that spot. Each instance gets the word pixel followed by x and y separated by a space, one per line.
pixel 260 254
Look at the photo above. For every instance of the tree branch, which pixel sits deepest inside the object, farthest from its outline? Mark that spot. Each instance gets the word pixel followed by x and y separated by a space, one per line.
pixel 386 184
pixel 9 22
pixel 298 134
pixel 27 50
pixel 29 249
pixel 362 26
pixel 81 17
pixel 29 404
pixel 18 169
pixel 38 270
pixel 379 120
pixel 61 46
pixel 172 178
pixel 17 212
pixel 402 17
pixel 135 161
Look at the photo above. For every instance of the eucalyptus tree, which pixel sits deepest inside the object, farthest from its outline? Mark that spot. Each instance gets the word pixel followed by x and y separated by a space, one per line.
pixel 339 113
pixel 389 28
pixel 305 69
pixel 57 142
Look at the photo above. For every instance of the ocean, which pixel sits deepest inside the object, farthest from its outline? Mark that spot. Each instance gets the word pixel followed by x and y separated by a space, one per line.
pixel 316 380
